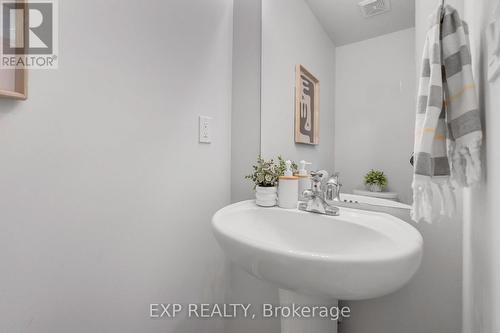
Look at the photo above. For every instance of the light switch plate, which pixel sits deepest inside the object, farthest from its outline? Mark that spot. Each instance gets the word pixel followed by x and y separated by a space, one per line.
pixel 205 134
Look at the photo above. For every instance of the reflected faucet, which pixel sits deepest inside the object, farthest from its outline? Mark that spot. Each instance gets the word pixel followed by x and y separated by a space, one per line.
pixel 332 191
pixel 319 200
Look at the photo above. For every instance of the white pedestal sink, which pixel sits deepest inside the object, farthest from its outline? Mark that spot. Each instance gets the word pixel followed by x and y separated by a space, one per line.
pixel 315 259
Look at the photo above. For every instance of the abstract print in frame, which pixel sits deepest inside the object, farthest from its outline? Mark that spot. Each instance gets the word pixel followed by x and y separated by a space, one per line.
pixel 306 107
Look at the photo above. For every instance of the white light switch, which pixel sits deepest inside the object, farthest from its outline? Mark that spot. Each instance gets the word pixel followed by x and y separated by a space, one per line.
pixel 205 130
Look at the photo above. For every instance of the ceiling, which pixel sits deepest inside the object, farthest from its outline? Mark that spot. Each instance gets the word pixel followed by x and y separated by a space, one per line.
pixel 343 21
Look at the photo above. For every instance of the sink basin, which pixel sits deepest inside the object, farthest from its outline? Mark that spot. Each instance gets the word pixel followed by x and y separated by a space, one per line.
pixel 357 255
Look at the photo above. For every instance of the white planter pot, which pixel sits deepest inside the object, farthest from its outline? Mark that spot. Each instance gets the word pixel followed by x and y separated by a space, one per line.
pixel 374 188
pixel 266 196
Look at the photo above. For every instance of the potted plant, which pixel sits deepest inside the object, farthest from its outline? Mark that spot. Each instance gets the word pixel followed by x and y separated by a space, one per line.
pixel 265 176
pixel 376 181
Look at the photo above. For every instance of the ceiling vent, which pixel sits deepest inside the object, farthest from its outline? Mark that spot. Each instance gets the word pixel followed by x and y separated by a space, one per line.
pixel 371 8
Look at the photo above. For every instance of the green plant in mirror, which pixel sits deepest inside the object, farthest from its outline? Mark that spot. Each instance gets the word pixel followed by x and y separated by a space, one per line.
pixel 267 172
pixel 376 177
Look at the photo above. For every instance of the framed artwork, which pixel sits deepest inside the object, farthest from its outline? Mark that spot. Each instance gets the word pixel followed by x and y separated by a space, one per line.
pixel 14 81
pixel 306 107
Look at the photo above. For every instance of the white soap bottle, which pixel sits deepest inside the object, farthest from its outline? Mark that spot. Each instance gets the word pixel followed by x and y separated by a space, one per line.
pixel 304 178
pixel 288 188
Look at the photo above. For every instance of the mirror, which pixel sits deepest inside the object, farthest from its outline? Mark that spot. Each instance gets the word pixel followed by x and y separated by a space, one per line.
pixel 363 58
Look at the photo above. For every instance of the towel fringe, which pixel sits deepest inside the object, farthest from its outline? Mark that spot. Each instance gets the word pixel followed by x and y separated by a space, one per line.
pixel 466 163
pixel 422 200
pixel 423 196
pixel 448 201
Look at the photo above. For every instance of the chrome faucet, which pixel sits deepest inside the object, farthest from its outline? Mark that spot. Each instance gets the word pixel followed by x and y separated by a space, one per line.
pixel 319 200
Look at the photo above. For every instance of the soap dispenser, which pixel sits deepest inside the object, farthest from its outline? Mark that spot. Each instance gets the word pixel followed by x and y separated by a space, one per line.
pixel 304 178
pixel 288 188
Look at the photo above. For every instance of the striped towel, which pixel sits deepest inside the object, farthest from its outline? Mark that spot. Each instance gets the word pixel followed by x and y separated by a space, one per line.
pixel 448 131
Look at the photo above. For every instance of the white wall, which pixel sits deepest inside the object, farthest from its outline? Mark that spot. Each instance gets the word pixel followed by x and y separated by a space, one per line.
pixel 481 228
pixel 375 110
pixel 292 35
pixel 105 194
pixel 245 115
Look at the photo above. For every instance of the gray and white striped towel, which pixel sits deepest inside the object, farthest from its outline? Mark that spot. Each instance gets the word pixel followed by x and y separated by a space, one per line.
pixel 448 132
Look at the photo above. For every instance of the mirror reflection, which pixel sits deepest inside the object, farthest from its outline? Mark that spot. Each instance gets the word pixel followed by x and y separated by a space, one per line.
pixel 338 89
